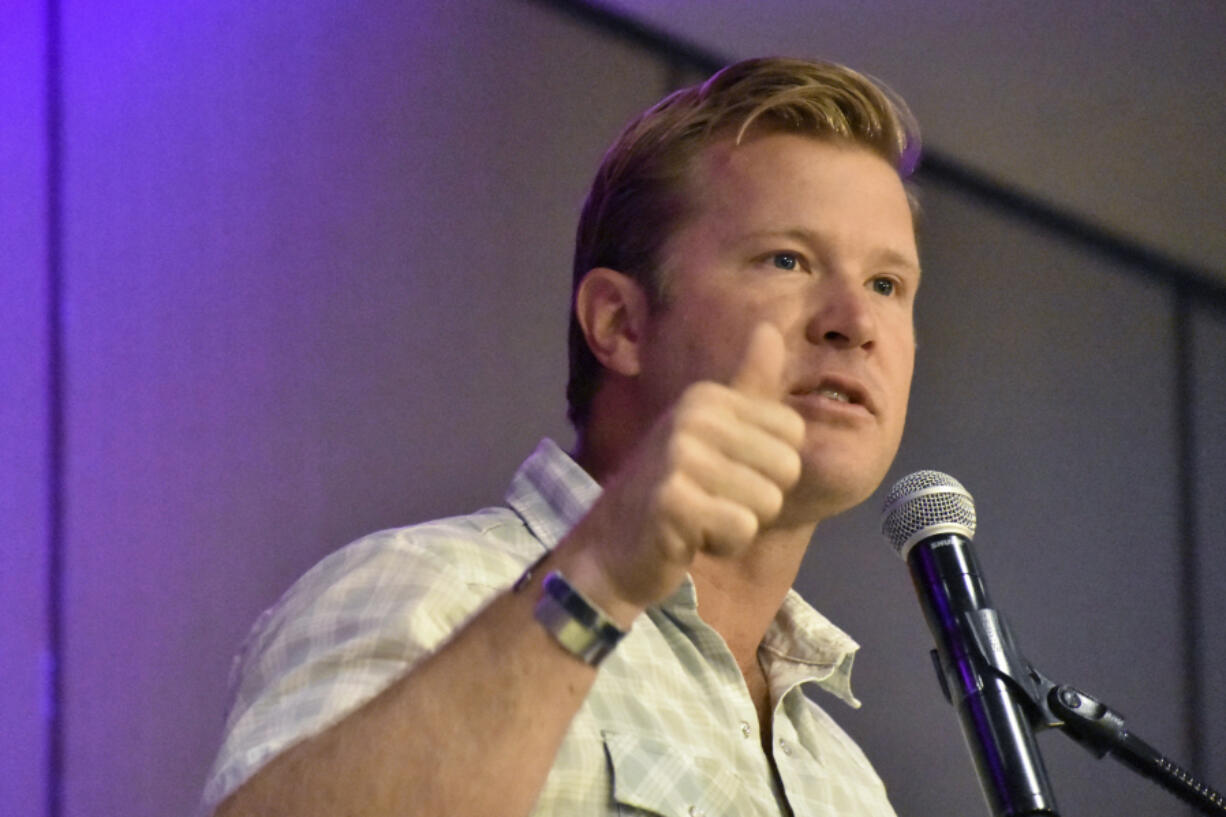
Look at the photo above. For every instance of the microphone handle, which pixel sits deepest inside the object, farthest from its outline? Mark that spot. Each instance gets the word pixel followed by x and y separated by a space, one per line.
pixel 994 723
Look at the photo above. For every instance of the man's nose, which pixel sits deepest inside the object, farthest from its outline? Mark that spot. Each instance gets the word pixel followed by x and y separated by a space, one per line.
pixel 843 315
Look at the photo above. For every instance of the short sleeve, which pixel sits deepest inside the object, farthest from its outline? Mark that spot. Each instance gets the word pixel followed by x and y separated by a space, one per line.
pixel 349 628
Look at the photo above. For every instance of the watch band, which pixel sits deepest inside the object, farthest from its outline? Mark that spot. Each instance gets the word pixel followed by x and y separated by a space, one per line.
pixel 577 624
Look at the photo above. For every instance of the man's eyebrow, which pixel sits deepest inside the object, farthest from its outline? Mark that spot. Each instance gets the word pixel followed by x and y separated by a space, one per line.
pixel 795 233
pixel 896 259
pixel 883 255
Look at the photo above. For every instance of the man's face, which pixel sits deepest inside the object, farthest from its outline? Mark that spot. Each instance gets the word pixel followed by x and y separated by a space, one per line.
pixel 817 238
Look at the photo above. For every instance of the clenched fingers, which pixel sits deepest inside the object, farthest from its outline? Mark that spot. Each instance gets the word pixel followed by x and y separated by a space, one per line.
pixel 758 487
pixel 759 434
pixel 698 519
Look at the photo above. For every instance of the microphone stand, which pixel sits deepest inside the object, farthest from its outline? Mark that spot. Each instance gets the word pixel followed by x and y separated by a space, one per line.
pixel 1082 717
pixel 1101 730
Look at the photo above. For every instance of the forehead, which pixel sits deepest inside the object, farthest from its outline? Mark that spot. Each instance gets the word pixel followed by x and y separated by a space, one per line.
pixel 784 181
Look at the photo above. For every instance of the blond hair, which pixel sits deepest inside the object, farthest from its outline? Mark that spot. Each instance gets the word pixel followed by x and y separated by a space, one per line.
pixel 637 198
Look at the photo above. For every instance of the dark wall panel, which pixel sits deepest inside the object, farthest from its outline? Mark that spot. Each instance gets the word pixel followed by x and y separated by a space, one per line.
pixel 1045 384
pixel 1209 378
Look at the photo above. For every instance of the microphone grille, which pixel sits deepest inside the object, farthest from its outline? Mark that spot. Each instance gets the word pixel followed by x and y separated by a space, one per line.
pixel 925 504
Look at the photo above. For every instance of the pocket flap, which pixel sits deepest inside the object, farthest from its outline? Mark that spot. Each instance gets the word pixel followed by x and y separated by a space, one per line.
pixel 652 775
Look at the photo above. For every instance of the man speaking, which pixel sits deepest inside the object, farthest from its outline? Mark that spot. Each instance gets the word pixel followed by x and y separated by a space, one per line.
pixel 622 637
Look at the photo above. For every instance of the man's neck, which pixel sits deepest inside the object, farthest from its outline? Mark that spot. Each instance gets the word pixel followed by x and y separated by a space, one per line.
pixel 740 597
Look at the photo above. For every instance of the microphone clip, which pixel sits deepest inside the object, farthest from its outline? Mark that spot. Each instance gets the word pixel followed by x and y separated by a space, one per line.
pixel 1084 718
pixel 995 651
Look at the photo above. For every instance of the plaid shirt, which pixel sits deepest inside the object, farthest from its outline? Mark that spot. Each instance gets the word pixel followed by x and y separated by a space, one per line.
pixel 668 728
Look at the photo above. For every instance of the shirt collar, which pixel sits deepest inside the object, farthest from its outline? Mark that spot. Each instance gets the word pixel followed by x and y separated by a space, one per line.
pixel 803 645
pixel 551 493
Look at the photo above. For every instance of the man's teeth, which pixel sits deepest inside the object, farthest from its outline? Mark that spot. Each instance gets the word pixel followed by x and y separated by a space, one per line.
pixel 834 395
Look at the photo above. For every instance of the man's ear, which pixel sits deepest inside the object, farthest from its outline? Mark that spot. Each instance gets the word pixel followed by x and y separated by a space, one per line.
pixel 612 311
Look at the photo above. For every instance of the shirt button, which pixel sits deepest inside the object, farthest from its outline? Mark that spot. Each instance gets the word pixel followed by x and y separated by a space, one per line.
pixel 746 729
pixel 785 747
pixel 695 811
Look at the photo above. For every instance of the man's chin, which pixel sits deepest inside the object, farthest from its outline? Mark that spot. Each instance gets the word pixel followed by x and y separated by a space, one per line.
pixel 829 489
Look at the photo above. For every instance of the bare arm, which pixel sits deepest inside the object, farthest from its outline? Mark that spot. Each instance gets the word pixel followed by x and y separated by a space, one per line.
pixel 491 707
pixel 474 728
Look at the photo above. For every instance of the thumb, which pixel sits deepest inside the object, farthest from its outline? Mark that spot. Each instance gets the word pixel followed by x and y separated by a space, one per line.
pixel 760 372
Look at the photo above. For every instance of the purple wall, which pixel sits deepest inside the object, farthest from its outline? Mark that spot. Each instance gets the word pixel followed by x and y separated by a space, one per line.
pixel 316 283
pixel 24 373
pixel 315 273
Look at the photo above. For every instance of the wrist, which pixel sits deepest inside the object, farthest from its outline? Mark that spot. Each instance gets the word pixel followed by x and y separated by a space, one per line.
pixel 588 578
pixel 580 627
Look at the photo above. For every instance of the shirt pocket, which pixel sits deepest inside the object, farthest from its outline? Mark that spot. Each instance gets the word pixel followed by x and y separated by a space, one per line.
pixel 655 777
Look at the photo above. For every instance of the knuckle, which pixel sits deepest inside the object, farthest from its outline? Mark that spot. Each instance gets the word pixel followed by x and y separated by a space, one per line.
pixel 771 503
pixel 797 424
pixel 680 451
pixel 744 528
pixel 789 424
pixel 790 467
pixel 675 546
pixel 699 397
pixel 673 501
pixel 733 531
pixel 667 495
pixel 690 399
pixel 675 530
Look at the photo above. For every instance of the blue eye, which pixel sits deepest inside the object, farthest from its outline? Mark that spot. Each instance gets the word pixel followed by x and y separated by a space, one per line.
pixel 785 260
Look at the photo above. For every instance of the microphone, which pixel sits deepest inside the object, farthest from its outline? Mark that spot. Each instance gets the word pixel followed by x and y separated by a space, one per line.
pixel 929 518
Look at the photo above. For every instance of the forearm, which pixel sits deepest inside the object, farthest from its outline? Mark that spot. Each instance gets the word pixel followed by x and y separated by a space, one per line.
pixel 471 730
pixel 474 728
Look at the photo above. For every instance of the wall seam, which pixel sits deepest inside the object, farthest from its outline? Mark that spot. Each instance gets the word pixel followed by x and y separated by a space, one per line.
pixel 1137 258
pixel 1188 531
pixel 53 656
pixel 1187 283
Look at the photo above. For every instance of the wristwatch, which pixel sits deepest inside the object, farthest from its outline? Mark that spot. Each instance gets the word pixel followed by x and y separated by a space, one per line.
pixel 577 624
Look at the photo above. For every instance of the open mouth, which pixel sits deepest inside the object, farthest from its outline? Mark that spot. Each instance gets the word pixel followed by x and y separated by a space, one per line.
pixel 834 394
pixel 838 390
